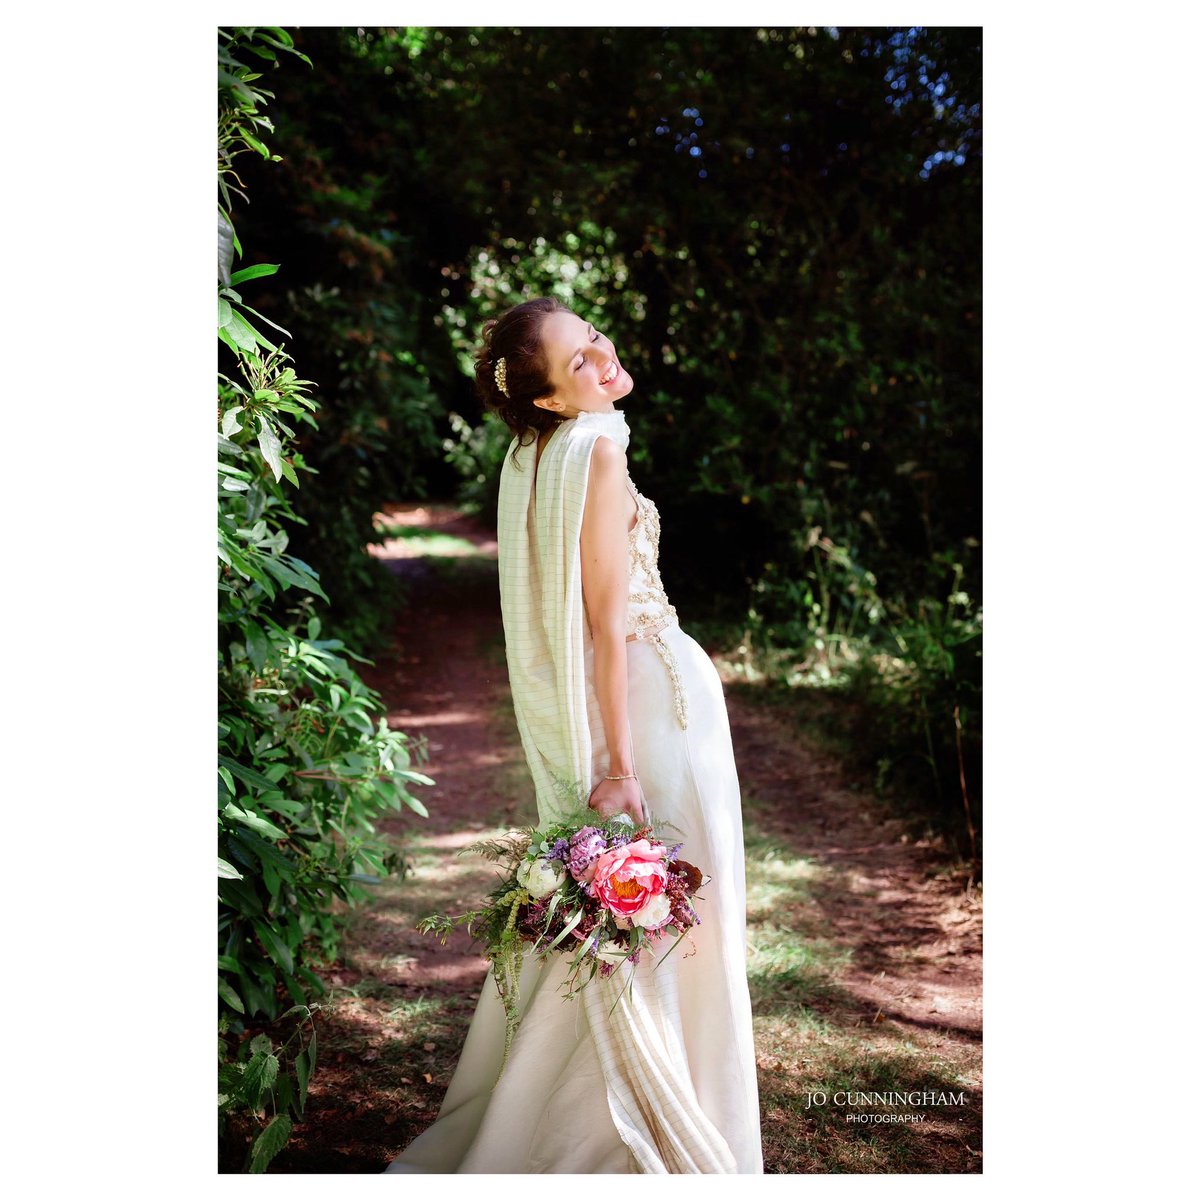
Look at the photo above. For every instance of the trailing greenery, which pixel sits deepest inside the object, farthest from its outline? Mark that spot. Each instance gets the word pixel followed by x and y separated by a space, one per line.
pixel 306 761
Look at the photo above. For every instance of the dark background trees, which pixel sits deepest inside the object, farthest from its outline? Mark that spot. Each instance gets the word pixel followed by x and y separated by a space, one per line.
pixel 780 230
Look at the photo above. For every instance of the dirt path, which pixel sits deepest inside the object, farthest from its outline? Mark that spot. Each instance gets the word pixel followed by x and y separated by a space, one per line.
pixel 865 964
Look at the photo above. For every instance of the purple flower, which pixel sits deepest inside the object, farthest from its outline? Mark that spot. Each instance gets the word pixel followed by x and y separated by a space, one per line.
pixel 586 846
pixel 561 850
pixel 673 853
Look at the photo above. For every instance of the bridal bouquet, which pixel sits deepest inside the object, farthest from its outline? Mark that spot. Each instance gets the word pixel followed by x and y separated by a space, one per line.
pixel 604 892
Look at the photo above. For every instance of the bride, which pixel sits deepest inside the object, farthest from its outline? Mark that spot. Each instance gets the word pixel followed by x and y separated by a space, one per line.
pixel 613 699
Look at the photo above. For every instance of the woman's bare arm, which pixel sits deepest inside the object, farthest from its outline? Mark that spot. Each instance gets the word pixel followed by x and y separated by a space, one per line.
pixel 603 543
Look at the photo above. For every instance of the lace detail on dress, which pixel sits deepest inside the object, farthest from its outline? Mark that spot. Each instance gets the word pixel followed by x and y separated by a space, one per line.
pixel 649 611
pixel 648 607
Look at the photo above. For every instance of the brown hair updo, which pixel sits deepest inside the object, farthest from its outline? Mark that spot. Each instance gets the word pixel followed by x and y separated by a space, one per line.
pixel 516 336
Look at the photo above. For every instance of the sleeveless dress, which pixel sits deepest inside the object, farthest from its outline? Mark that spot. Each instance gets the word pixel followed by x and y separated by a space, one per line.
pixel 668 1083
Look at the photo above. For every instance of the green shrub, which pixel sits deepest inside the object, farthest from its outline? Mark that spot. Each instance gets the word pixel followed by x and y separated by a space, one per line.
pixel 922 716
pixel 306 761
pixel 909 671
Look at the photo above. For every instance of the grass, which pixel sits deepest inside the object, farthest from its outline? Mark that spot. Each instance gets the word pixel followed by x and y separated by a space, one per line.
pixel 430 541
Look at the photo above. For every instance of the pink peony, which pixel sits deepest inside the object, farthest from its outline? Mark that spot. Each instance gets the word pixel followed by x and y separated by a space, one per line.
pixel 626 878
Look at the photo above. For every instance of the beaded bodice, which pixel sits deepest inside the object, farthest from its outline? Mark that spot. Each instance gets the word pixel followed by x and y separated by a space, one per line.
pixel 648 607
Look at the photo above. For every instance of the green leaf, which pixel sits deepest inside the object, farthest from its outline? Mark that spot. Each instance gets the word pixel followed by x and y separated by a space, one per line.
pixel 414 804
pixel 245 774
pixel 241 332
pixel 253 821
pixel 241 895
pixel 285 1092
pixel 255 272
pixel 270 445
pixel 286 575
pixel 301 566
pixel 229 422
pixel 253 142
pixel 268 320
pixel 261 1072
pixel 227 870
pixel 224 313
pixel 257 644
pixel 415 776
pixel 275 945
pixel 304 1062
pixel 295 809
pixel 226 992
pixel 566 929
pixel 269 1143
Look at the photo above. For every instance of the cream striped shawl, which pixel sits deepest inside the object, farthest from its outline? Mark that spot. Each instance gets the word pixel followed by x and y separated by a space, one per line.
pixel 547 643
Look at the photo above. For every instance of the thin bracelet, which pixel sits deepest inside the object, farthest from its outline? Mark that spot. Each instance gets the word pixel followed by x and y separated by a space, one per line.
pixel 620 777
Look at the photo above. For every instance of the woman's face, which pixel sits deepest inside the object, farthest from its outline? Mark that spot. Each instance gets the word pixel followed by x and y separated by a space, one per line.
pixel 582 365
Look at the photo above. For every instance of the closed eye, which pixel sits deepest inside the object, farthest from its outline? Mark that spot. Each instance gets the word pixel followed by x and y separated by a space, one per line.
pixel 595 338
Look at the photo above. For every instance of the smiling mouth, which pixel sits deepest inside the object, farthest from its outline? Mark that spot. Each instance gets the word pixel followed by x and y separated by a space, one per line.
pixel 611 374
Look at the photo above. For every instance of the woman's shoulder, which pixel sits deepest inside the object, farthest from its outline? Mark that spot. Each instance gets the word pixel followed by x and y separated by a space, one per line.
pixel 607 455
pixel 607 466
pixel 587 455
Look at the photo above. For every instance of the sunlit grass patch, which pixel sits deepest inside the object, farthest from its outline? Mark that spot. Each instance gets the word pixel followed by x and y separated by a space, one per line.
pixel 785 976
pixel 790 956
pixel 426 540
pixel 774 872
pixel 410 1009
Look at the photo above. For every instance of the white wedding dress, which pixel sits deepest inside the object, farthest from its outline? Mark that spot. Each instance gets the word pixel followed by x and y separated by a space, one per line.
pixel 667 1084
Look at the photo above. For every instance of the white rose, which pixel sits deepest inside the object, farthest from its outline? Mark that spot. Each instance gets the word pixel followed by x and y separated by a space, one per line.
pixel 541 876
pixel 654 912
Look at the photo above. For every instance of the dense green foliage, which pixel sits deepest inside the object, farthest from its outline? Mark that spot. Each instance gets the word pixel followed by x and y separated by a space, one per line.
pixel 306 761
pixel 780 230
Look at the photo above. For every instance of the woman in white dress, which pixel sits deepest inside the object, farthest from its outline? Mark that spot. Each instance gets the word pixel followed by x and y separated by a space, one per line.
pixel 615 701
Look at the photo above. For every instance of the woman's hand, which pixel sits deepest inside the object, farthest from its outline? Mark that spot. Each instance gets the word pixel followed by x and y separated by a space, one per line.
pixel 612 796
